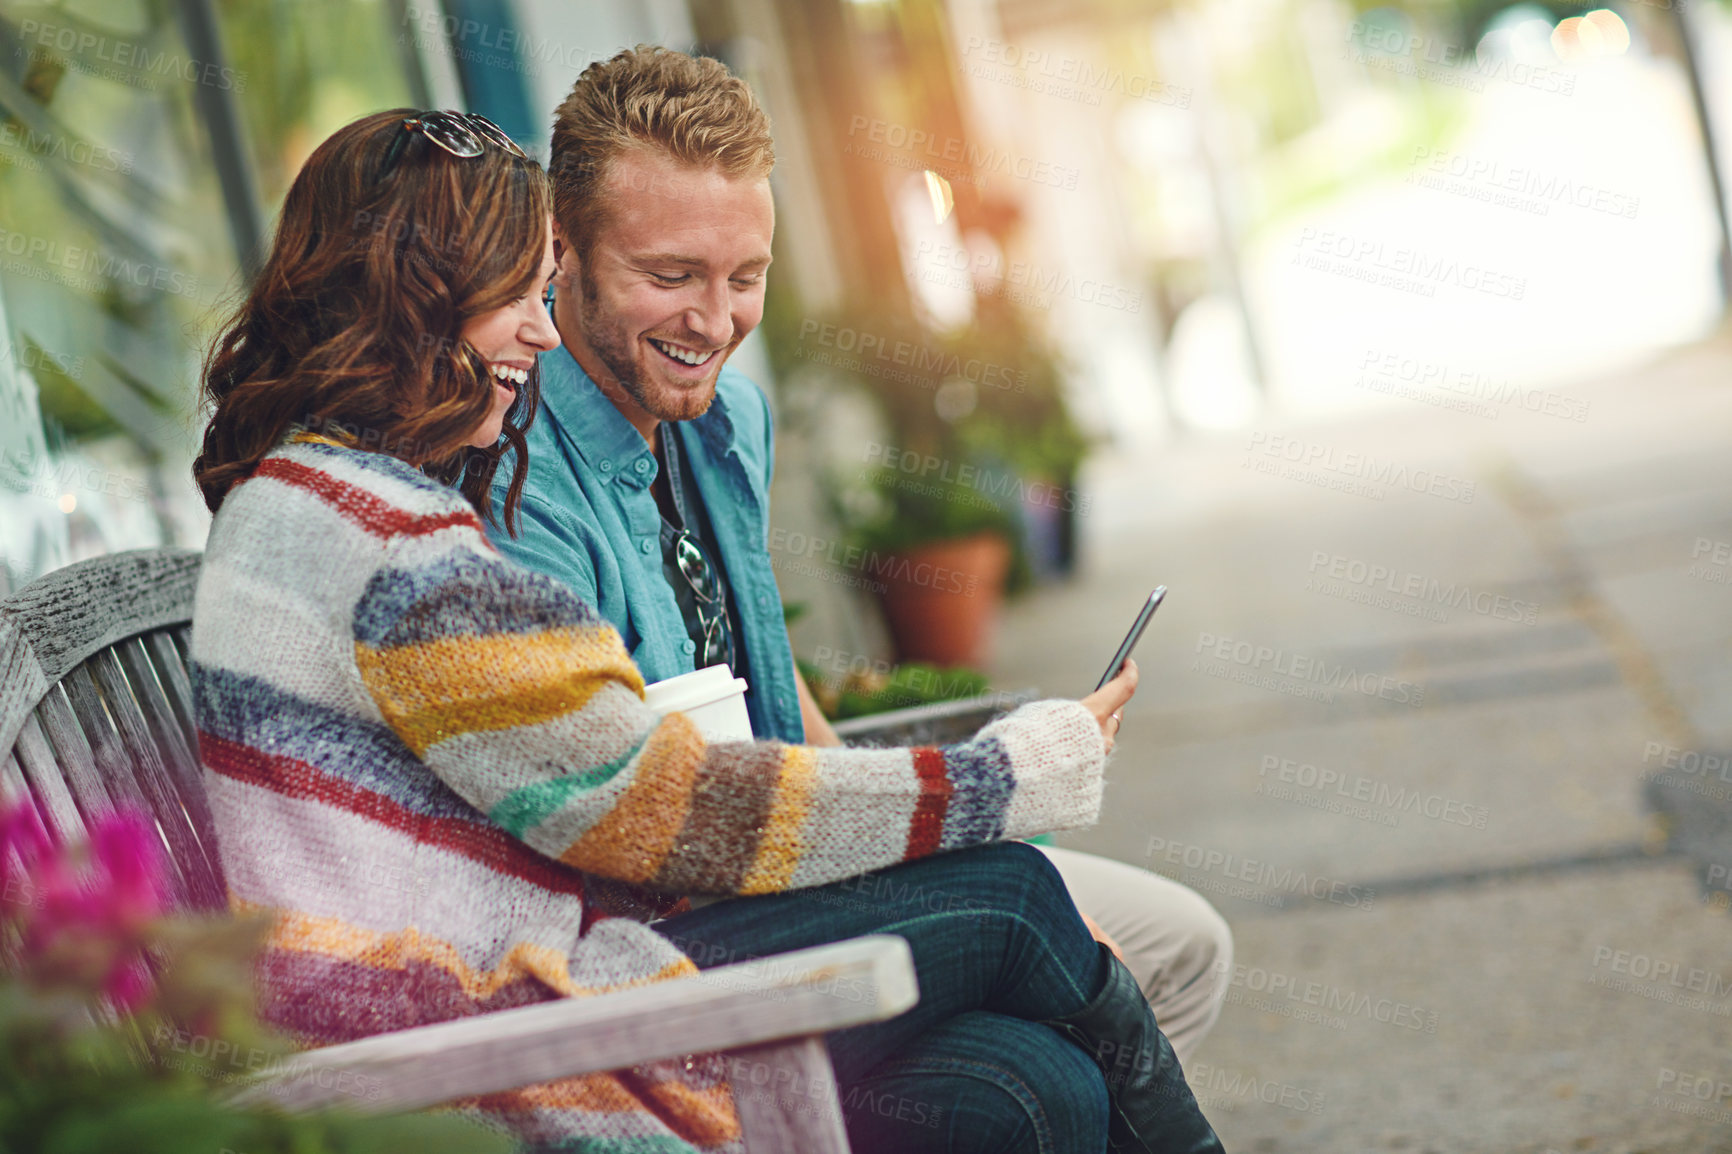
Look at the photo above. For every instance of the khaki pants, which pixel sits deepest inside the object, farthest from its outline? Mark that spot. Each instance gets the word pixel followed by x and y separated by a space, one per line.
pixel 1179 948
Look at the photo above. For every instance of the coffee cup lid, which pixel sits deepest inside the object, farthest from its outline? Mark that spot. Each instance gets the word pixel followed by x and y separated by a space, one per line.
pixel 691 690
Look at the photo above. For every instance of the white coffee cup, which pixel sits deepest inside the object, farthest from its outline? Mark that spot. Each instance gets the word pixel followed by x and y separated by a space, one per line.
pixel 712 697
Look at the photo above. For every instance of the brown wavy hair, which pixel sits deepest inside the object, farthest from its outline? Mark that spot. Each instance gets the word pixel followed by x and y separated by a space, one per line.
pixel 352 326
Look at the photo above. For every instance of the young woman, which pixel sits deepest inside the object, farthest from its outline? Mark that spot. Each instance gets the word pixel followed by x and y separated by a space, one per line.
pixel 436 770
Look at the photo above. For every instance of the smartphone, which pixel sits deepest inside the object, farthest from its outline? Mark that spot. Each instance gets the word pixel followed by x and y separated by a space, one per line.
pixel 1136 633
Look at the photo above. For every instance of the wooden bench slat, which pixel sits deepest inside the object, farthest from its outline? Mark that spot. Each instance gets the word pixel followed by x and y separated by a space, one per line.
pixel 54 801
pixel 21 681
pixel 794 1106
pixel 13 787
pixel 90 713
pixel 181 635
pixel 70 750
pixel 173 742
pixel 171 673
pixel 139 755
pixel 14 791
pixel 12 939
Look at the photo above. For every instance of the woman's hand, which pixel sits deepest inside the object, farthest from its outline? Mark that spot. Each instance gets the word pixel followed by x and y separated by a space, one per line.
pixel 1109 700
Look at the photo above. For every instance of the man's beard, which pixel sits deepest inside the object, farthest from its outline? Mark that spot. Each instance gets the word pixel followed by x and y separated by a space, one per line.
pixel 615 351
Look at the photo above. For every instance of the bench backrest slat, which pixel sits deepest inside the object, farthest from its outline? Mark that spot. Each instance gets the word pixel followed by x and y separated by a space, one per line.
pixel 46 785
pixel 169 661
pixel 70 750
pixel 114 725
pixel 141 758
pixel 13 789
pixel 13 786
pixel 113 764
pixel 175 741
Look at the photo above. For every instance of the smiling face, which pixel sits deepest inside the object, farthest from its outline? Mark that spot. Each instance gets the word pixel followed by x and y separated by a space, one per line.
pixel 508 339
pixel 671 283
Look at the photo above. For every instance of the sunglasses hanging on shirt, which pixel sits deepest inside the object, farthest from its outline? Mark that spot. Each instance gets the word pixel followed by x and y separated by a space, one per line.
pixel 688 555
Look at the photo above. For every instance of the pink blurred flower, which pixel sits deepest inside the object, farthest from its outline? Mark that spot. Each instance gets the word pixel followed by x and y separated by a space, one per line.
pixel 85 927
pixel 125 848
pixel 22 841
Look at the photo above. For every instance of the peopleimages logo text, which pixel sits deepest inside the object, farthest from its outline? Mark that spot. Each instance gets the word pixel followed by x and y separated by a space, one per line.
pixel 982 160
pixel 1357 466
pixel 1332 998
pixel 935 363
pixel 80 43
pixel 1072 76
pixel 1398 265
pixel 1005 488
pixel 1384 371
pixel 75 260
pixel 1313 670
pixel 62 147
pixel 1449 594
pixel 1396 799
pixel 876 565
pixel 1286 880
pixel 1522 180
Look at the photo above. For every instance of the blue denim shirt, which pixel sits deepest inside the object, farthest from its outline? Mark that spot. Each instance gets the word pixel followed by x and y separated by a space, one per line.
pixel 588 517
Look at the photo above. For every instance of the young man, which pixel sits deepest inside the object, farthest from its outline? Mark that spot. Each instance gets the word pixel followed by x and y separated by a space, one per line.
pixel 649 492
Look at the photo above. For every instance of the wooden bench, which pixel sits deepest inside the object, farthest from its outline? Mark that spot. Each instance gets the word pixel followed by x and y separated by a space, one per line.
pixel 96 712
pixel 941 723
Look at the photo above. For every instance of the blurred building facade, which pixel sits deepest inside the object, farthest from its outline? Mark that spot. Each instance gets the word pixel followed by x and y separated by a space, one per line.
pixel 1033 218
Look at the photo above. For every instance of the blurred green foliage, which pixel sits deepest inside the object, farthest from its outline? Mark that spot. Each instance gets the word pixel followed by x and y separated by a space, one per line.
pixel 323 64
pixel 151 197
pixel 904 687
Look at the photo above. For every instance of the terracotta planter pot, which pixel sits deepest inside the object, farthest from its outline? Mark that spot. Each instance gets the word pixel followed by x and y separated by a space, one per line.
pixel 941 600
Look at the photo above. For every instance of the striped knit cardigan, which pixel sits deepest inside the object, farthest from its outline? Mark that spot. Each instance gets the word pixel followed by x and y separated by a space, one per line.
pixel 421 756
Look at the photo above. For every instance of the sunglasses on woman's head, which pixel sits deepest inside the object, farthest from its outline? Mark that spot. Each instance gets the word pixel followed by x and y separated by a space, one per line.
pixel 462 134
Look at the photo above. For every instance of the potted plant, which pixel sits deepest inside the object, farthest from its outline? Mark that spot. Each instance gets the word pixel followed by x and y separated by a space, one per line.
pixel 977 449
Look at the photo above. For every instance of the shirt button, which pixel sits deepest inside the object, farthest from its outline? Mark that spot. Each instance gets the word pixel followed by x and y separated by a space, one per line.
pixel 648 546
pixel 607 466
pixel 688 648
pixel 642 466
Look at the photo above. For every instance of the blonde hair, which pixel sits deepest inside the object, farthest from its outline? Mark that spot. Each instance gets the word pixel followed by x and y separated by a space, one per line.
pixel 689 108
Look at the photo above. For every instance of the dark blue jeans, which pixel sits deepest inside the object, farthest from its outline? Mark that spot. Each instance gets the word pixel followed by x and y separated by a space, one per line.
pixel 998 946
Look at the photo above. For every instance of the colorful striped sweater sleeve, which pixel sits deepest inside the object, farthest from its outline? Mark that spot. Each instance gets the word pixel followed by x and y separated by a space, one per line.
pixel 527 705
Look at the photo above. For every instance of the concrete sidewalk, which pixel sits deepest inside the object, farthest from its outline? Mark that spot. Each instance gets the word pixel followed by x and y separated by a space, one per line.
pixel 1394 721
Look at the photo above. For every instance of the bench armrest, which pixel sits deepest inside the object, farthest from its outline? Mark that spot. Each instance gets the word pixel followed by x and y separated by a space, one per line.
pixel 941 723
pixel 814 991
